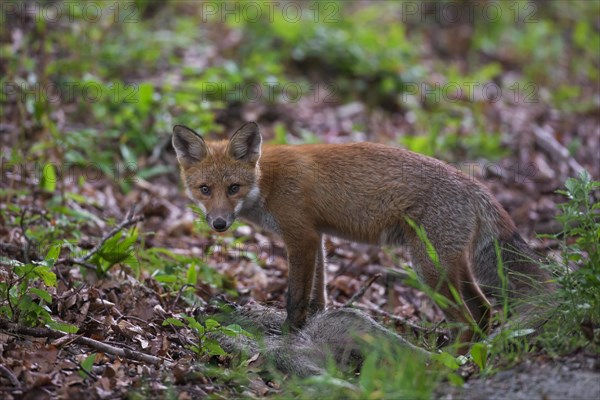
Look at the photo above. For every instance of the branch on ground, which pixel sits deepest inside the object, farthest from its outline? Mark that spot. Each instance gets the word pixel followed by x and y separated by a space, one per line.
pixel 13 328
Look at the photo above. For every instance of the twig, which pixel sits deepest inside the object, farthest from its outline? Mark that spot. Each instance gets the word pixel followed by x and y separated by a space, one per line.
pixel 11 377
pixel 130 220
pixel 181 289
pixel 82 263
pixel 358 295
pixel 27 243
pixel 128 317
pixel 397 319
pixel 96 345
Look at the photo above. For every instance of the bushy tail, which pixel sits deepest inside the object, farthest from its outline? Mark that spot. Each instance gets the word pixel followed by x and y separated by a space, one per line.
pixel 517 279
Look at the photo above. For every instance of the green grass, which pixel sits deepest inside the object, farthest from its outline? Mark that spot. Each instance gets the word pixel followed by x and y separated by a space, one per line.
pixel 578 272
pixel 386 373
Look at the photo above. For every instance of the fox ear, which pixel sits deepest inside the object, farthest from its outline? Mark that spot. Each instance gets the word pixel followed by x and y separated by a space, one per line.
pixel 245 143
pixel 188 145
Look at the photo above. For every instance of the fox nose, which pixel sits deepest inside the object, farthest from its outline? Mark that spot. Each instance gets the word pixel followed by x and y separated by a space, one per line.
pixel 219 224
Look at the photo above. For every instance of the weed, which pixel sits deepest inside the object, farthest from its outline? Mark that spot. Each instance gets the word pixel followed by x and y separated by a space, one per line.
pixel 577 299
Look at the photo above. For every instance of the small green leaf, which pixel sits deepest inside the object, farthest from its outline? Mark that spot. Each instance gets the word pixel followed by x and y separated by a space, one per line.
pixel 213 348
pixel 60 326
pixel 195 325
pixel 53 254
pixel 173 321
pixel 48 181
pixel 211 324
pixel 145 94
pixel 192 275
pixel 47 276
pixel 87 365
pixel 42 294
pixel 448 360
pixel 479 352
pixel 166 278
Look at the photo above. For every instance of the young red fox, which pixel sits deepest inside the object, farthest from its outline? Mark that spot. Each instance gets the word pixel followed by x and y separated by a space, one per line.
pixel 363 192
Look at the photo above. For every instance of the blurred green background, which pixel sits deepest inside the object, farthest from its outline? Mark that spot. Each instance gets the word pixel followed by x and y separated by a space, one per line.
pixel 102 83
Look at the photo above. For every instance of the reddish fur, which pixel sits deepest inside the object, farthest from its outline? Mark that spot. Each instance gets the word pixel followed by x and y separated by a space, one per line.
pixel 362 192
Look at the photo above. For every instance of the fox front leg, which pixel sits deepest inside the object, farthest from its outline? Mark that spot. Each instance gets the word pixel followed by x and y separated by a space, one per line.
pixel 302 258
pixel 318 299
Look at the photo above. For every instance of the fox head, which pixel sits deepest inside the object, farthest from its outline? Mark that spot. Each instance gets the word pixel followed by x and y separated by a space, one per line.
pixel 220 177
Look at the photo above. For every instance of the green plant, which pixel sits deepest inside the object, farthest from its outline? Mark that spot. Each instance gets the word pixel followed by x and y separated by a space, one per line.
pixel 118 249
pixel 480 355
pixel 581 221
pixel 349 47
pixel 183 274
pixel 577 299
pixel 205 331
pixel 24 295
pixel 576 302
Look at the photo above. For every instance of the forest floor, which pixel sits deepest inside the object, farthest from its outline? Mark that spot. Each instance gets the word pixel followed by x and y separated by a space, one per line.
pixel 121 310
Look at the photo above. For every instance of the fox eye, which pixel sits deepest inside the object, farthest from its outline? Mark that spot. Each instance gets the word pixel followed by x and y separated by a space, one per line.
pixel 233 189
pixel 205 190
